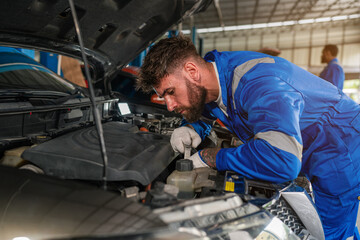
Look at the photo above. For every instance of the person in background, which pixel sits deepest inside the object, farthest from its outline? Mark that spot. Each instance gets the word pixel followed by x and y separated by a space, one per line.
pixel 333 72
pixel 289 120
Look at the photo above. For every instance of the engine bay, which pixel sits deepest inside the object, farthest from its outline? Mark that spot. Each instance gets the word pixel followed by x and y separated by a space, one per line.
pixel 142 165
pixel 63 143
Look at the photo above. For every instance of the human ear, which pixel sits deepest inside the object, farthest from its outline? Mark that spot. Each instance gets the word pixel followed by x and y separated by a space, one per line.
pixel 192 71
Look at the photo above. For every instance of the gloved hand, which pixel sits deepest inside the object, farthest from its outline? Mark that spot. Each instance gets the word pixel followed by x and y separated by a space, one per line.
pixel 197 160
pixel 184 136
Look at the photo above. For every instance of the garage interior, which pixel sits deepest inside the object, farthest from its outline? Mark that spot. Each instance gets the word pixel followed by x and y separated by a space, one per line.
pixel 298 28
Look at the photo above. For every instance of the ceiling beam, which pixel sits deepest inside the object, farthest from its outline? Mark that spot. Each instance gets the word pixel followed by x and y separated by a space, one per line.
pixel 273 11
pixel 329 7
pixel 236 12
pixel 254 11
pixel 307 9
pixel 292 10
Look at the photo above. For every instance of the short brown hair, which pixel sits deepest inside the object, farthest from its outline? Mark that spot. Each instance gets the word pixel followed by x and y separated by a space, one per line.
pixel 163 58
pixel 333 49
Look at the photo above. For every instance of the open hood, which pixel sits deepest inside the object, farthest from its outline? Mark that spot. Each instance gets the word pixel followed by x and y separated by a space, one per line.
pixel 114 31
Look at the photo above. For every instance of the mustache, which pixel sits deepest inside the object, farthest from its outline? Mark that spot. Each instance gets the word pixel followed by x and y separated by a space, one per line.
pixel 178 110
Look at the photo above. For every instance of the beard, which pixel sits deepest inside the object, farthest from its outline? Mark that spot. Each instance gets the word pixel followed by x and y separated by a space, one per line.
pixel 197 96
pixel 323 60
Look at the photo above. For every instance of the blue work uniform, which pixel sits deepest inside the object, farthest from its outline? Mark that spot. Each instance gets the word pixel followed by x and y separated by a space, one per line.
pixel 290 121
pixel 334 73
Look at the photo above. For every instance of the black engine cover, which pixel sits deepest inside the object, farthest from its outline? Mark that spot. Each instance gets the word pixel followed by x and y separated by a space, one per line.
pixel 132 155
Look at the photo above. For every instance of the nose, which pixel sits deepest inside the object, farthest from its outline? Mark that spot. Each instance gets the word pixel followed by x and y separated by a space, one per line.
pixel 170 103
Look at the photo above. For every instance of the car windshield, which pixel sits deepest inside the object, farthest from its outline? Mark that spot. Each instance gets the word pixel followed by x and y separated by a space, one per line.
pixel 17 71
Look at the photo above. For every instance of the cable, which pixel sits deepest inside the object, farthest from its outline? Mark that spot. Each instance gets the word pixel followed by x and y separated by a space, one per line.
pixel 92 95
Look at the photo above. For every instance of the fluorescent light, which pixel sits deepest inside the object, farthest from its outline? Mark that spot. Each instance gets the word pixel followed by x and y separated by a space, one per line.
pixel 209 30
pixel 324 19
pixel 354 16
pixel 288 23
pixel 244 27
pixel 305 21
pixel 21 238
pixel 339 18
pixel 124 108
pixel 273 24
pixel 259 25
pixel 231 28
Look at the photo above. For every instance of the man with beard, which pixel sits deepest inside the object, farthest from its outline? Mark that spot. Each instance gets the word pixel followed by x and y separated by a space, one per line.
pixel 333 72
pixel 289 120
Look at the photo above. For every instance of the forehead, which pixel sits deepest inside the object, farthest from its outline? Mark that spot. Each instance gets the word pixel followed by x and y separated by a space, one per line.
pixel 164 83
pixel 169 81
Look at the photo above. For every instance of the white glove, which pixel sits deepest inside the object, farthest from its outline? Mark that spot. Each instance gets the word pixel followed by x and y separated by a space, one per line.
pixel 184 136
pixel 197 161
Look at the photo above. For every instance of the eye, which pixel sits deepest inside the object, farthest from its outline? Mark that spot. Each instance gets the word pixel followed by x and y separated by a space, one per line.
pixel 171 91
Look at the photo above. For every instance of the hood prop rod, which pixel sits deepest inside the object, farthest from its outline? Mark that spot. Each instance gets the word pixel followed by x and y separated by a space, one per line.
pixel 96 114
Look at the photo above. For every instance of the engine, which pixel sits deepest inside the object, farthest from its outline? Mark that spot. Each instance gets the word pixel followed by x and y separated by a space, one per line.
pixel 143 167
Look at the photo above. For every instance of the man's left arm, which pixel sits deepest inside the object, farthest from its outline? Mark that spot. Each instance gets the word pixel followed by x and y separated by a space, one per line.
pixel 208 156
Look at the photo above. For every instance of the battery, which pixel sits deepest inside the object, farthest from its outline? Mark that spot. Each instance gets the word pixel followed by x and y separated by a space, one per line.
pixel 234 183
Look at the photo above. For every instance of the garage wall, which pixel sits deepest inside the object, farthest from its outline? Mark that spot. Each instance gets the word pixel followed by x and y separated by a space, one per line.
pixel 301 44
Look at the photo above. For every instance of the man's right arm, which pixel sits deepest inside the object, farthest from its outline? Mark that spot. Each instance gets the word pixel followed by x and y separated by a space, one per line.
pixel 191 134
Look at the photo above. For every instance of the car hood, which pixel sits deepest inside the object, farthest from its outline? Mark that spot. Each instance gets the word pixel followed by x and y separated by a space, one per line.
pixel 114 32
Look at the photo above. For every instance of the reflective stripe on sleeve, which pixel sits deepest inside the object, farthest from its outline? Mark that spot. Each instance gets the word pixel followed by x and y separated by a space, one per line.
pixel 242 69
pixel 282 141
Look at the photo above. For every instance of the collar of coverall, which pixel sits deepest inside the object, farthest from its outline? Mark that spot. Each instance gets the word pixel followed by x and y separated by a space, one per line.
pixel 218 100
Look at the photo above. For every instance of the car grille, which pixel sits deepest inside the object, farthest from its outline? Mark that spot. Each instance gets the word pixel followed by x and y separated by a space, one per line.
pixel 286 214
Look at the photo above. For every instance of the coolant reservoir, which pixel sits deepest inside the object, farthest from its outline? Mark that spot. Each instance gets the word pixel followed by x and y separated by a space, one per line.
pixel 184 178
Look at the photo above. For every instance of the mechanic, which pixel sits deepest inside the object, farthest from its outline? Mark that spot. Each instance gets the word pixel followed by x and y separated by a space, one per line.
pixel 333 72
pixel 288 119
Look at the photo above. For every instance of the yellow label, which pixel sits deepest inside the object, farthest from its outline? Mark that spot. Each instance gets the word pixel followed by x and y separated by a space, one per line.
pixel 229 186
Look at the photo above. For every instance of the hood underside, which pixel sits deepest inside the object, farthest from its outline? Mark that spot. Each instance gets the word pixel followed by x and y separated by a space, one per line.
pixel 114 32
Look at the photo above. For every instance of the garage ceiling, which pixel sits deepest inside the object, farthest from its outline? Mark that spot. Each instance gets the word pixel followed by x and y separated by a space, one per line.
pixel 222 13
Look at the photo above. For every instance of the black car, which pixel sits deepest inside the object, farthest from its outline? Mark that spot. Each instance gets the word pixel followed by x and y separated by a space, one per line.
pixel 83 164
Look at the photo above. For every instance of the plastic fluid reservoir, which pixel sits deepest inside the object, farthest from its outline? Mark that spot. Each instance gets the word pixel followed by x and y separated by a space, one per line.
pixel 184 178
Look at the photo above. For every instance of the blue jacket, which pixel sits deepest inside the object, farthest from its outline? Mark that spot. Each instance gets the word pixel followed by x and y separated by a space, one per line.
pixel 288 119
pixel 334 73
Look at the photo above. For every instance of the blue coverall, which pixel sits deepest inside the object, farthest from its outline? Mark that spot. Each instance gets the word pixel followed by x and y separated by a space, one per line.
pixel 289 120
pixel 334 73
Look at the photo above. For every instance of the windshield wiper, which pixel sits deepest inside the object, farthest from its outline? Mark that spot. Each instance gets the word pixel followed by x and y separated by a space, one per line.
pixel 41 97
pixel 75 94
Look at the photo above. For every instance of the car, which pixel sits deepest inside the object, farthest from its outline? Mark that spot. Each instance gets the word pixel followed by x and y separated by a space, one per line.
pixel 84 163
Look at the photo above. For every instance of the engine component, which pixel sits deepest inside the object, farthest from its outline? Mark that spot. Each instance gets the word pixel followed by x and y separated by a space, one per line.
pixel 156 123
pixel 161 195
pixel 183 178
pixel 76 155
pixel 131 193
